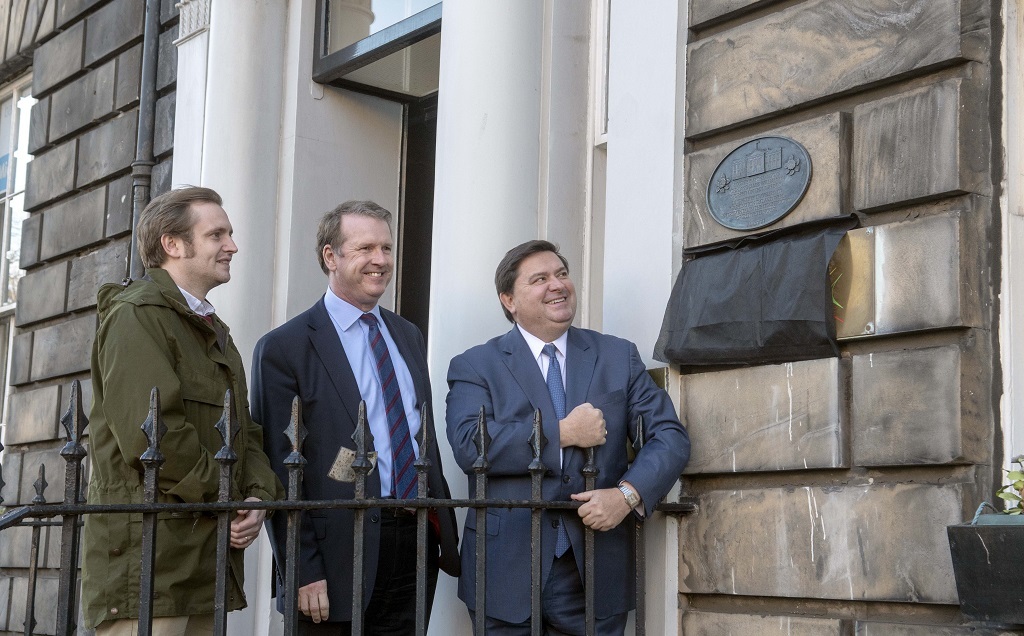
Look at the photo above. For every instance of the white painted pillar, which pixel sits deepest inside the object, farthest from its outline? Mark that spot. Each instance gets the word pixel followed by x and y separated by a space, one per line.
pixel 485 198
pixel 193 46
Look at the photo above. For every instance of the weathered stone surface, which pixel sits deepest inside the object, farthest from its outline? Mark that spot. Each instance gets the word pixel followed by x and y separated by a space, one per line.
pixel 15 548
pixel 54 463
pixel 64 348
pixel 778 417
pixel 168 10
pixel 105 265
pixel 715 624
pixel 869 628
pixel 42 294
pixel 81 102
pixel 51 175
pixel 45 602
pixel 129 70
pixel 21 358
pixel 68 10
pixel 167 59
pixel 906 147
pixel 824 140
pixel 906 407
pixel 5 596
pixel 39 125
pixel 163 134
pixel 34 22
pixel 57 59
pixel 703 11
pixel 857 542
pixel 31 230
pixel 107 149
pixel 119 206
pixel 73 224
pixel 112 28
pixel 815 50
pixel 162 176
pixel 12 477
pixel 33 415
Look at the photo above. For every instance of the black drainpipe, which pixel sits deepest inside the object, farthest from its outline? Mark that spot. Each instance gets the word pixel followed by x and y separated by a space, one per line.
pixel 142 167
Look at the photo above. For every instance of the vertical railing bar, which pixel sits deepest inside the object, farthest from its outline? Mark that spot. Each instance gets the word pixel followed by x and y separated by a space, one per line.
pixel 422 465
pixel 151 459
pixel 537 442
pixel 639 548
pixel 361 467
pixel 74 422
pixel 590 472
pixel 480 467
pixel 33 559
pixel 295 462
pixel 226 457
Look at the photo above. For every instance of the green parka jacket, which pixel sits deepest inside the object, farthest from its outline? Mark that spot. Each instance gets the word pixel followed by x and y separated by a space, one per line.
pixel 149 337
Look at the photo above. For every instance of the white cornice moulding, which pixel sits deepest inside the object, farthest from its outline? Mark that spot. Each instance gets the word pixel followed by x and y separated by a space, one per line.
pixel 194 18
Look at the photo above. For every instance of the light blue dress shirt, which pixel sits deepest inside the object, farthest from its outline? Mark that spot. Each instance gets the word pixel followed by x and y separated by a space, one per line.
pixel 353 334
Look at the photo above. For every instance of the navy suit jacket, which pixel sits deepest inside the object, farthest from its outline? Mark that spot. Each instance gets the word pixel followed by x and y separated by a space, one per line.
pixel 305 357
pixel 503 376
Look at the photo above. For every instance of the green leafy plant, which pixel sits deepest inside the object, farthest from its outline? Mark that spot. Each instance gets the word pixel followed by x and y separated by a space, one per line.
pixel 1013 492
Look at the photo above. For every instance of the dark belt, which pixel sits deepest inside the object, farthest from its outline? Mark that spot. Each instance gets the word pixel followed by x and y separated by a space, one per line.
pixel 397 513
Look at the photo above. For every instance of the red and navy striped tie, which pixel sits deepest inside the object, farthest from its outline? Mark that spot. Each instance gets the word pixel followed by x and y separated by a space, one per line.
pixel 403 474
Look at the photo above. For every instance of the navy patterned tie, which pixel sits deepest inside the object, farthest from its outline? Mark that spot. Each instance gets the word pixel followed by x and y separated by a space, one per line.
pixel 403 475
pixel 557 392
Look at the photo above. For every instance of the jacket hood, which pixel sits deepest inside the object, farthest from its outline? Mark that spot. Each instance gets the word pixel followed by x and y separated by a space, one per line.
pixel 155 288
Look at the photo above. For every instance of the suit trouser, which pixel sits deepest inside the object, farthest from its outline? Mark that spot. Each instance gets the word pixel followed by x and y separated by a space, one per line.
pixel 392 608
pixel 564 607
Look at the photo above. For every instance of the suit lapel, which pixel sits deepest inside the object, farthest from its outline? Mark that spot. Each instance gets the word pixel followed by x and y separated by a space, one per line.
pixel 409 354
pixel 324 338
pixel 580 361
pixel 524 370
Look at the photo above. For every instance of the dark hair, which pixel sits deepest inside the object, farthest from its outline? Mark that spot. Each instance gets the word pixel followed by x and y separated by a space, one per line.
pixel 329 231
pixel 170 213
pixel 508 269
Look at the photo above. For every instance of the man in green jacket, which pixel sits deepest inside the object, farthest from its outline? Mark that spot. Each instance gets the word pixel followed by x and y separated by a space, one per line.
pixel 161 332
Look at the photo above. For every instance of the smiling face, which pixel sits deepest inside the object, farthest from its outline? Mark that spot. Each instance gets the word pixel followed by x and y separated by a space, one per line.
pixel 543 299
pixel 360 269
pixel 202 261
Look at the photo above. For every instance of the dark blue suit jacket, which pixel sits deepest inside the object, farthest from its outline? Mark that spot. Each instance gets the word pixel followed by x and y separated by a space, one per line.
pixel 503 377
pixel 304 357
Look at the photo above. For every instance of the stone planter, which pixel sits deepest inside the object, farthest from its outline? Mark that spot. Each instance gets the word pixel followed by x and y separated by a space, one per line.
pixel 988 562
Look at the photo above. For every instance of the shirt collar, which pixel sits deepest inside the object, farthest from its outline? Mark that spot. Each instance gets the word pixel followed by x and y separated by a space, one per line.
pixel 201 307
pixel 536 345
pixel 344 313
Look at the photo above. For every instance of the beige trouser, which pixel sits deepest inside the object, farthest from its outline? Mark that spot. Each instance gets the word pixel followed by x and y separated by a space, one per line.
pixel 194 625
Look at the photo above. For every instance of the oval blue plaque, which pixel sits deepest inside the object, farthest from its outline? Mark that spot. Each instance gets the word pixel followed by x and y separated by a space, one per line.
pixel 759 183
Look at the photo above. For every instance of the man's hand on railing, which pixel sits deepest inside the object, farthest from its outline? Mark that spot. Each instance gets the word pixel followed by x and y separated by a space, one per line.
pixel 604 509
pixel 245 527
pixel 313 600
pixel 584 427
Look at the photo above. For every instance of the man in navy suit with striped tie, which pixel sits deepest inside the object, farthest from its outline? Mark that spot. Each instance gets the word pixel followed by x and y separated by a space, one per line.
pixel 590 388
pixel 344 349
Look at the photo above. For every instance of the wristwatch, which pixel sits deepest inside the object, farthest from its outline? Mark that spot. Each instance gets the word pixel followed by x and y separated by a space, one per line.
pixel 632 499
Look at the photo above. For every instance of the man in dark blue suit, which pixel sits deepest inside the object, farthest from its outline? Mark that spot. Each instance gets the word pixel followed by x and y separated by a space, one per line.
pixel 590 388
pixel 344 349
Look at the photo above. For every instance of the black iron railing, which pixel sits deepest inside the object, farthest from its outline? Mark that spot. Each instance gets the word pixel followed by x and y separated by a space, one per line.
pixel 71 510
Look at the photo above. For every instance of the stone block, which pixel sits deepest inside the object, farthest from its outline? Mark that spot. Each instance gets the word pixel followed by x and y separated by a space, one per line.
pixel 906 407
pixel 64 348
pixel 877 628
pixel 68 10
pixel 87 99
pixel 16 547
pixel 864 542
pixel 108 149
pixel 113 28
pixel 31 230
pixel 167 59
pixel 35 22
pixel 38 130
pixel 5 599
pixel 766 418
pixel 42 294
pixel 58 59
pixel 73 224
pixel 814 50
pixel 12 477
pixel 51 175
pixel 45 604
pixel 46 25
pixel 21 358
pixel 906 147
pixel 162 176
pixel 716 624
pixel 168 10
pixel 163 134
pixel 824 138
pixel 129 73
pixel 119 206
pixel 104 265
pixel 31 474
pixel 32 415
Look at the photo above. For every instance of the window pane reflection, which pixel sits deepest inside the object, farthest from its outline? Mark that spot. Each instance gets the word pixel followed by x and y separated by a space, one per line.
pixel 352 20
